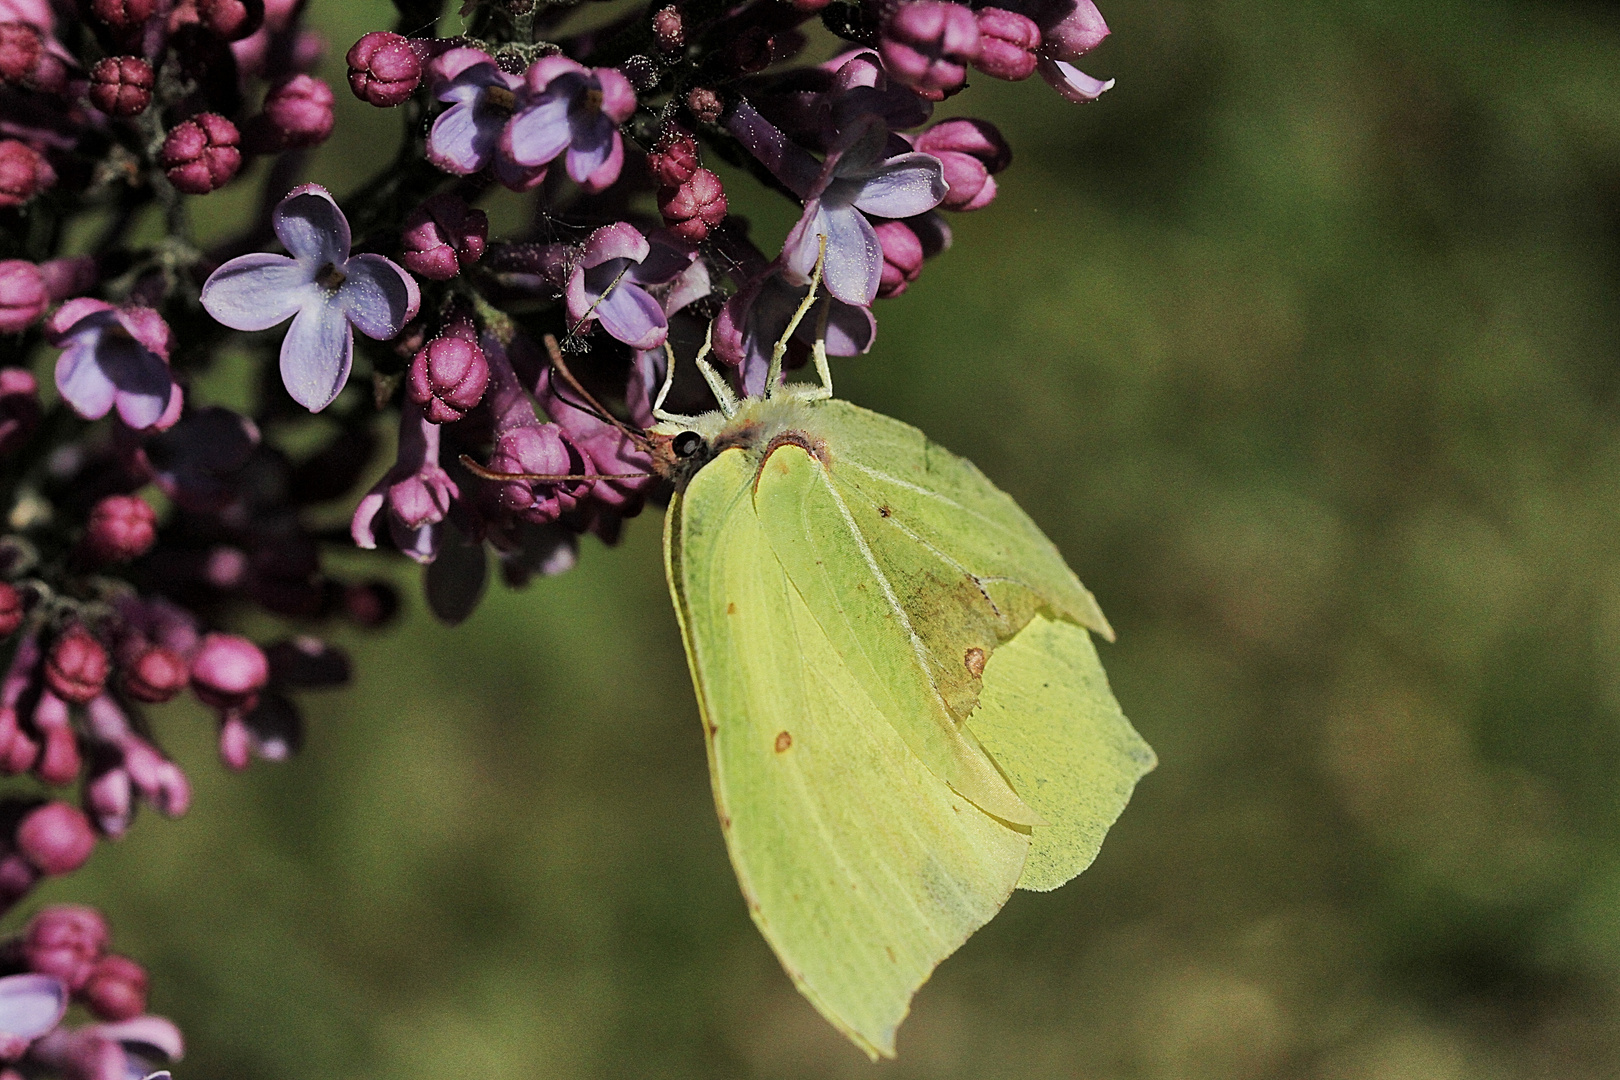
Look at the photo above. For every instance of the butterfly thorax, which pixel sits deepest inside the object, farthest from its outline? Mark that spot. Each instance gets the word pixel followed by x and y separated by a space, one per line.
pixel 683 447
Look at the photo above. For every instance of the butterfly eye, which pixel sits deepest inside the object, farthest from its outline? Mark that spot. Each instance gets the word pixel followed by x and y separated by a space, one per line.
pixel 686 444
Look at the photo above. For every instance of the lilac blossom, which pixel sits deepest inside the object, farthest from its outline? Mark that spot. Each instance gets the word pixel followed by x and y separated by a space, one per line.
pixel 416 491
pixel 609 282
pixel 30 1006
pixel 565 107
pixel 113 358
pixel 754 320
pixel 464 138
pixel 325 291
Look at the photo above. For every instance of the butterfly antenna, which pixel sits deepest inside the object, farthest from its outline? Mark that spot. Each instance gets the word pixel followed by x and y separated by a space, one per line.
pixel 773 374
pixel 548 478
pixel 554 351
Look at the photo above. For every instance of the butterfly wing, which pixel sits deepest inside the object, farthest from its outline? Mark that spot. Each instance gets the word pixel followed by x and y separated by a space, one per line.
pixel 1048 718
pixel 860 867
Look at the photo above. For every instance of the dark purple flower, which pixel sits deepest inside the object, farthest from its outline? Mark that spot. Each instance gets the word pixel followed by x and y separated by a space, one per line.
pixel 565 106
pixel 609 283
pixel 326 292
pixel 384 70
pixel 417 492
pixel 754 320
pixel 113 357
pixel 482 98
pixel 856 180
pixel 202 153
pixel 30 1006
pixel 927 44
pixel 443 236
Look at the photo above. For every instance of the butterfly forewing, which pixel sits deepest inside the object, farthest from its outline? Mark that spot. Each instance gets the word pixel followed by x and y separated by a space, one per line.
pixel 862 869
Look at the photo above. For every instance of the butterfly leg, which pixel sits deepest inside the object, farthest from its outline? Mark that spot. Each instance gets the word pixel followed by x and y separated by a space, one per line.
pixel 773 374
pixel 819 352
pixel 717 382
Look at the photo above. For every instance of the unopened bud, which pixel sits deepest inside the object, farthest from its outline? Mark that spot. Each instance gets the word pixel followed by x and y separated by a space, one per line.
pixel 155 675
pixel 202 153
pixel 24 172
pixel 750 51
pixel 229 671
pixel 927 45
pixel 675 161
pixel 77 666
pixel 59 761
pixel 123 15
pixel 65 940
pixel 695 207
pixel 448 378
pixel 231 20
pixel 705 104
pixel 120 528
pixel 23 295
pixel 444 236
pixel 11 609
pixel 384 70
pixel 1008 42
pixel 21 47
pixel 56 838
pixel 116 989
pixel 669 28
pixel 902 257
pixel 971 151
pixel 110 799
pixel 121 85
pixel 297 114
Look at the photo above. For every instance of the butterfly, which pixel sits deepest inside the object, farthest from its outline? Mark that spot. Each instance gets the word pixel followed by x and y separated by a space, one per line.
pixel 905 715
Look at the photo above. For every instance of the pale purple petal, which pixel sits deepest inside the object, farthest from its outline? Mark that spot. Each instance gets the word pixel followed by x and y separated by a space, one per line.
pixel 618 99
pixel 363 526
pixel 854 264
pixel 633 317
pixel 458 143
pixel 1072 83
pixel 379 296
pixel 450 65
pixel 310 225
pixel 31 1005
pixel 589 142
pixel 620 240
pixel 82 383
pixel 255 292
pixel 537 135
pixel 316 354
pixel 155 1032
pixel 147 327
pixel 903 187
pixel 850 330
pixel 602 175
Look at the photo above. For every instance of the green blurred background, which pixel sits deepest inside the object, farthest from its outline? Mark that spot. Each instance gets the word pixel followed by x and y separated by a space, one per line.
pixel 1303 344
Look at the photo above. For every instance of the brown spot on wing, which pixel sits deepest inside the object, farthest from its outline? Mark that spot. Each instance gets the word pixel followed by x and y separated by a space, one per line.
pixel 884 511
pixel 974 660
pixel 783 741
pixel 731 609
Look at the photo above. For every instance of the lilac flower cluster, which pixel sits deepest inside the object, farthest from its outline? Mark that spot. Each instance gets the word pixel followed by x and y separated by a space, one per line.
pixel 142 521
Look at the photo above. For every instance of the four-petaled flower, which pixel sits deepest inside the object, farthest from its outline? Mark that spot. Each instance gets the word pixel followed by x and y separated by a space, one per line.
pixel 565 106
pixel 325 291
pixel 608 283
pixel 114 358
pixel 464 138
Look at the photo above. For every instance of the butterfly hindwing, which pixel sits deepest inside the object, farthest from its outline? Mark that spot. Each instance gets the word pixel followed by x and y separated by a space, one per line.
pixel 862 869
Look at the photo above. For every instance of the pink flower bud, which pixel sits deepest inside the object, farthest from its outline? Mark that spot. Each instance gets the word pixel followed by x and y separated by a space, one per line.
pixel 695 207
pixel 110 799
pixel 123 14
pixel 121 85
pixel 11 609
pixel 902 257
pixel 23 295
pixel 59 761
pixel 229 671
pixel 19 408
pixel 65 940
pixel 669 28
pixel 77 666
pixel 56 838
pixel 1075 34
pixel 371 603
pixel 120 528
pixel 927 45
pixel 970 150
pixel 1008 41
pixel 443 236
pixel 24 173
pixel 674 164
pixel 235 743
pixel 297 113
pixel 231 20
pixel 116 989
pixel 70 276
pixel 21 47
pixel 448 378
pixel 705 104
pixel 156 675
pixel 17 877
pixel 202 153
pixel 384 69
